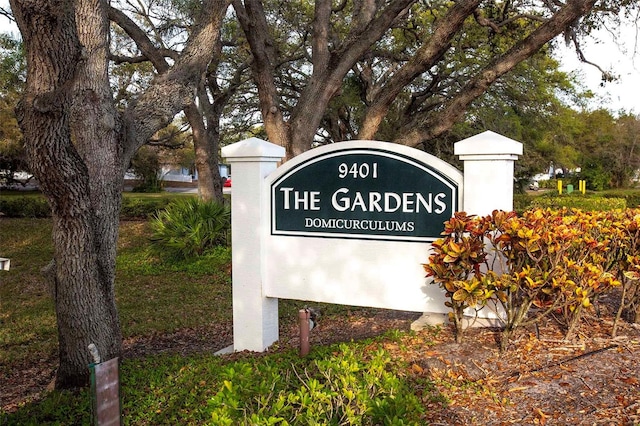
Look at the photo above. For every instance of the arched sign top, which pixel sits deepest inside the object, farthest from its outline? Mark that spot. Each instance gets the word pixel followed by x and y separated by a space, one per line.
pixel 364 190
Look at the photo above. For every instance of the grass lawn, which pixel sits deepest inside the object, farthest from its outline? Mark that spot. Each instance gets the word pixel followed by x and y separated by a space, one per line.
pixel 399 378
pixel 157 297
pixel 152 296
pixel 27 318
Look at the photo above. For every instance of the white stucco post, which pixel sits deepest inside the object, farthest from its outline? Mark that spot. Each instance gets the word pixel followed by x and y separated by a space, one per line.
pixel 255 317
pixel 488 172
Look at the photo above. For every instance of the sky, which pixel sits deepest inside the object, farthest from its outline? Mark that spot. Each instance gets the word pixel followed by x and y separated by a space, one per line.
pixel 621 57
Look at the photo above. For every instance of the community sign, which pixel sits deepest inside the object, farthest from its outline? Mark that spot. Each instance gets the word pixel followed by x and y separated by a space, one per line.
pixel 363 191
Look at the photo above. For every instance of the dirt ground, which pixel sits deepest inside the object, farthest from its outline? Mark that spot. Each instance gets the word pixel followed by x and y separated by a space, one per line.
pixel 541 379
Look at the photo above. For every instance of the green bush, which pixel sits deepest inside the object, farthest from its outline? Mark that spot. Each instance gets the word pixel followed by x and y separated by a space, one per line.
pixel 631 196
pixel 190 227
pixel 148 186
pixel 142 207
pixel 36 206
pixel 581 202
pixel 33 206
pixel 522 202
pixel 597 176
pixel 548 184
pixel 346 387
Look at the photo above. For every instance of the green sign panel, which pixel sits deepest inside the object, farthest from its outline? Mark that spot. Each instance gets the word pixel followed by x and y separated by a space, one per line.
pixel 362 193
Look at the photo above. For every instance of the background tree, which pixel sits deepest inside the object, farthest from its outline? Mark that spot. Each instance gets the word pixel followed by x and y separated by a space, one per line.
pixel 12 80
pixel 608 155
pixel 299 70
pixel 626 157
pixel 79 144
pixel 168 148
pixel 499 38
pixel 146 167
pixel 153 33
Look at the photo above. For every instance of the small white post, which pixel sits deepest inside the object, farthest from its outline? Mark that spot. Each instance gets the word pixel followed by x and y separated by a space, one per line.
pixel 255 317
pixel 488 172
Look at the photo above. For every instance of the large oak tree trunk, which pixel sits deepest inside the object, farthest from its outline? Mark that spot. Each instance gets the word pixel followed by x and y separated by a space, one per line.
pixel 78 147
pixel 83 209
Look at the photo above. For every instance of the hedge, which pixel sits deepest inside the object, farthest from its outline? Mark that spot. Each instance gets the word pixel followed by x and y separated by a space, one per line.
pixel 542 263
pixel 36 206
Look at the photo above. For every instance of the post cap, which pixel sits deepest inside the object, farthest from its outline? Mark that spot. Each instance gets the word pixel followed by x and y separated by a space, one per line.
pixel 488 143
pixel 253 148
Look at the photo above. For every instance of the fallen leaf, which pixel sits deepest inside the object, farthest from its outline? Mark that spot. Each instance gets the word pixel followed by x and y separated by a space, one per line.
pixel 630 380
pixel 541 416
pixel 417 369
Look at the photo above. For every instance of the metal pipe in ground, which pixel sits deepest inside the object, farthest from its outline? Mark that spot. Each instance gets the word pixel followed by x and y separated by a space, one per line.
pixel 303 316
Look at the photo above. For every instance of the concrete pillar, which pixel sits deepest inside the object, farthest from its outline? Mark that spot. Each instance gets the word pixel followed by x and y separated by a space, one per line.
pixel 488 172
pixel 255 317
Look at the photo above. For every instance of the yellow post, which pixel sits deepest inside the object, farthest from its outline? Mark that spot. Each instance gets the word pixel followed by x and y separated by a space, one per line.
pixel 584 186
pixel 559 186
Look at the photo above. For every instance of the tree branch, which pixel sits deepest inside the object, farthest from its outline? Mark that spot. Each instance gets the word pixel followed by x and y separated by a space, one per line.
pixel 484 22
pixel 425 58
pixel 252 19
pixel 148 49
pixel 171 91
pixel 7 14
pixel 120 59
pixel 572 11
pixel 363 13
pixel 606 76
pixel 320 51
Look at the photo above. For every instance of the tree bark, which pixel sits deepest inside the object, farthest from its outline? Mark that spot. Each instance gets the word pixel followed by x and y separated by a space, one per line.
pixel 252 19
pixel 78 147
pixel 83 227
pixel 205 144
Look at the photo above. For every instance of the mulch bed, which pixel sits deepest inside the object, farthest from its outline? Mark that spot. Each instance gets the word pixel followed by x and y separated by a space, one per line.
pixel 541 379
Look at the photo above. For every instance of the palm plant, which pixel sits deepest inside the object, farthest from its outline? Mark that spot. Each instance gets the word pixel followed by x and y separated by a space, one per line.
pixel 191 227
